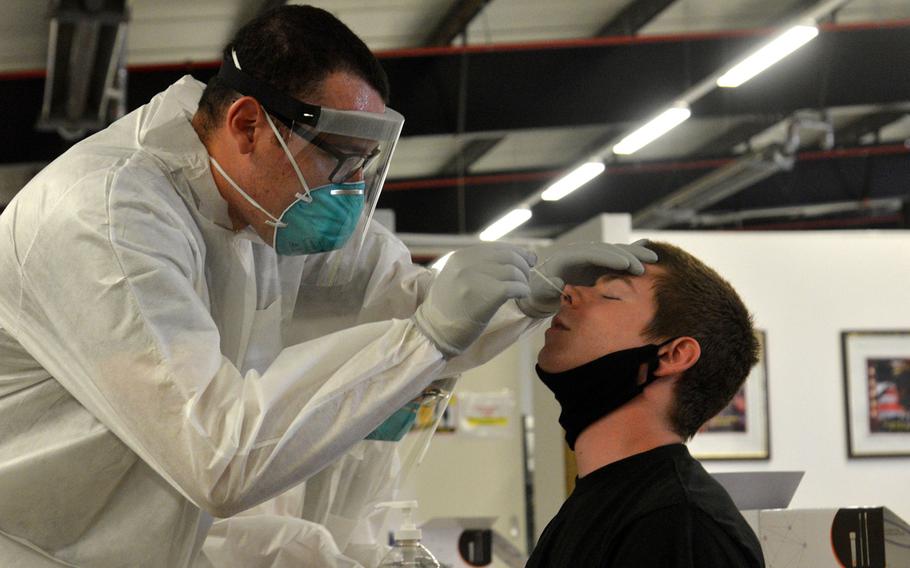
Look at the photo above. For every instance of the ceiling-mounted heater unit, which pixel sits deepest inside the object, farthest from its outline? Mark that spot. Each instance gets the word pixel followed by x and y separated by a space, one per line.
pixel 85 88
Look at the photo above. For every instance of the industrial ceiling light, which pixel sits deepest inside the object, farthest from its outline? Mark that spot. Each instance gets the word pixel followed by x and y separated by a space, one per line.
pixel 506 224
pixel 778 48
pixel 572 181
pixel 85 88
pixel 653 129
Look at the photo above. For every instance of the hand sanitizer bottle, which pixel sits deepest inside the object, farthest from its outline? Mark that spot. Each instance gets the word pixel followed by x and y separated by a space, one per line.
pixel 407 550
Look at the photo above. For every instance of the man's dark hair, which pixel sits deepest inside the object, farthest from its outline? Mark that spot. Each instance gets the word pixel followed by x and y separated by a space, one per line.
pixel 293 48
pixel 693 300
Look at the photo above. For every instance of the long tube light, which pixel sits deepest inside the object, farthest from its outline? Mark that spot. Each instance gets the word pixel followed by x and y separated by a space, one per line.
pixel 775 50
pixel 506 224
pixel 652 130
pixel 573 180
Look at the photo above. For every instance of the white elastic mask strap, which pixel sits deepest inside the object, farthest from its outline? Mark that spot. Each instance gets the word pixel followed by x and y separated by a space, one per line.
pixel 275 222
pixel 306 190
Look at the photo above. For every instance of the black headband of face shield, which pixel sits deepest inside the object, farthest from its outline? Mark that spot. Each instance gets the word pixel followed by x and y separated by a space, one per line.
pixel 286 108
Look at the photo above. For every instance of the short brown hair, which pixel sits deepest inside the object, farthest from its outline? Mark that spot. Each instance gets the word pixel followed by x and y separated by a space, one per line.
pixel 693 300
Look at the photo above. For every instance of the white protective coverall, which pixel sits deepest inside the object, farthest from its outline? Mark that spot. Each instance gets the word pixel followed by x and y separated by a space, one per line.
pixel 151 373
pixel 328 522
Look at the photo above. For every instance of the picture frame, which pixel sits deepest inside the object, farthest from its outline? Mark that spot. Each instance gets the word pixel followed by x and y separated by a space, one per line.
pixel 876 371
pixel 741 431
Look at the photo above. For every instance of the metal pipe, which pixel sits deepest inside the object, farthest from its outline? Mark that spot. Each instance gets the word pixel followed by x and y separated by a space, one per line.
pixel 681 205
pixel 885 205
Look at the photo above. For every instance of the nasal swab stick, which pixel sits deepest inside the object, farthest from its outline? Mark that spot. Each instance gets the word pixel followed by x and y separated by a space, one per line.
pixel 547 280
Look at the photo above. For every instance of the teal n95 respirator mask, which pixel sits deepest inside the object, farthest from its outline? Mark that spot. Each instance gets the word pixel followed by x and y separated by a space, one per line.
pixel 346 156
pixel 320 220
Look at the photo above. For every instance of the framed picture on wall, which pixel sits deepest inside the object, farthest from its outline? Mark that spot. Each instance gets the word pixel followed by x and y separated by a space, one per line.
pixel 741 430
pixel 877 392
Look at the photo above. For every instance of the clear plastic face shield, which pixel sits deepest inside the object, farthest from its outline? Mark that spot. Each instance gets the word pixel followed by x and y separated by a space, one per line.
pixel 411 428
pixel 433 403
pixel 340 158
pixel 379 469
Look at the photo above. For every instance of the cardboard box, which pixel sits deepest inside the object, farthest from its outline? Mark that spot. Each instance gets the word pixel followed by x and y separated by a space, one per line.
pixel 858 537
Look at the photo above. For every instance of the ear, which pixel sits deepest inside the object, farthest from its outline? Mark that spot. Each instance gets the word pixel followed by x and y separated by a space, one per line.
pixel 677 356
pixel 241 120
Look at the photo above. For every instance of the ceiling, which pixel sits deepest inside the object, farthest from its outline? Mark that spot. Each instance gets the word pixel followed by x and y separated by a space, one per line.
pixel 502 97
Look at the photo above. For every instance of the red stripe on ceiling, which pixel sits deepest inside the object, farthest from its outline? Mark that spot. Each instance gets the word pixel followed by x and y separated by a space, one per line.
pixel 860 152
pixel 625 40
pixel 433 183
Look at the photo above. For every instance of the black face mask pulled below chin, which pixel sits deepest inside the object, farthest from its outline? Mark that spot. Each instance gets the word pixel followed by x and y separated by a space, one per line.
pixel 591 391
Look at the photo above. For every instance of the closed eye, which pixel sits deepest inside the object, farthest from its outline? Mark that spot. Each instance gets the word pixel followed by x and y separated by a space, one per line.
pixel 609 297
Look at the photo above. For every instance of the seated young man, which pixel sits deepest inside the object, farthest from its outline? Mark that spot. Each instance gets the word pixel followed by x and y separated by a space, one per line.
pixel 638 364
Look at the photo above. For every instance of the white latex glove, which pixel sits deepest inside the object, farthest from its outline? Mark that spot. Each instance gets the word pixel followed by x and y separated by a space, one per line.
pixel 474 283
pixel 563 260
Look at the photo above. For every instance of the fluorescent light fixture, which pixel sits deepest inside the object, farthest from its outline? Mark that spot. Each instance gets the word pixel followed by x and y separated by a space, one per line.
pixel 654 129
pixel 573 180
pixel 778 48
pixel 508 223
pixel 440 262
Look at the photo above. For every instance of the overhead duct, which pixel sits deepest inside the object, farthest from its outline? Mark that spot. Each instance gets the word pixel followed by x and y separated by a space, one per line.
pixel 867 207
pixel 85 87
pixel 683 205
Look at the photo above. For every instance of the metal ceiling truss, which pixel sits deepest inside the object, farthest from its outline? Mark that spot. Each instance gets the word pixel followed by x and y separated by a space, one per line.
pixel 618 82
pixel 455 22
pixel 820 177
pixel 728 180
pixel 573 86
pixel 467 154
pixel 631 19
pixel 610 81
pixel 872 123
pixel 636 15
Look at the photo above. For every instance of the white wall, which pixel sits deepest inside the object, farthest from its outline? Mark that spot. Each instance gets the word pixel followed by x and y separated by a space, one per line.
pixel 467 476
pixel 804 289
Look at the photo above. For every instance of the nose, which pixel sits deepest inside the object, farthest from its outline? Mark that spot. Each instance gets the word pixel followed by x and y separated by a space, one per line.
pixel 569 295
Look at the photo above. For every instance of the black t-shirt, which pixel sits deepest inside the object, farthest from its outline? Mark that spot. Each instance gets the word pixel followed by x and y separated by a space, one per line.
pixel 656 509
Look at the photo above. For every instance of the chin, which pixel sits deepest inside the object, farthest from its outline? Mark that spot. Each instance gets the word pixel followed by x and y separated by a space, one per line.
pixel 550 364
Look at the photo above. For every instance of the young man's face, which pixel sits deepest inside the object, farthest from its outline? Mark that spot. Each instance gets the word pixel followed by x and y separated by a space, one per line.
pixel 598 320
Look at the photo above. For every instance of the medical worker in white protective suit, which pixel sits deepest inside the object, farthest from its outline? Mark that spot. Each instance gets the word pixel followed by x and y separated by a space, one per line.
pixel 196 314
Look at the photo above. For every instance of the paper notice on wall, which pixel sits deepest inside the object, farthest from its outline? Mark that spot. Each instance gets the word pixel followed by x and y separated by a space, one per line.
pixel 487 414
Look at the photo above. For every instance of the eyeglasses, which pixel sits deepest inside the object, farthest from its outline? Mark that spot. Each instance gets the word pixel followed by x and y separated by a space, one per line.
pixel 346 163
